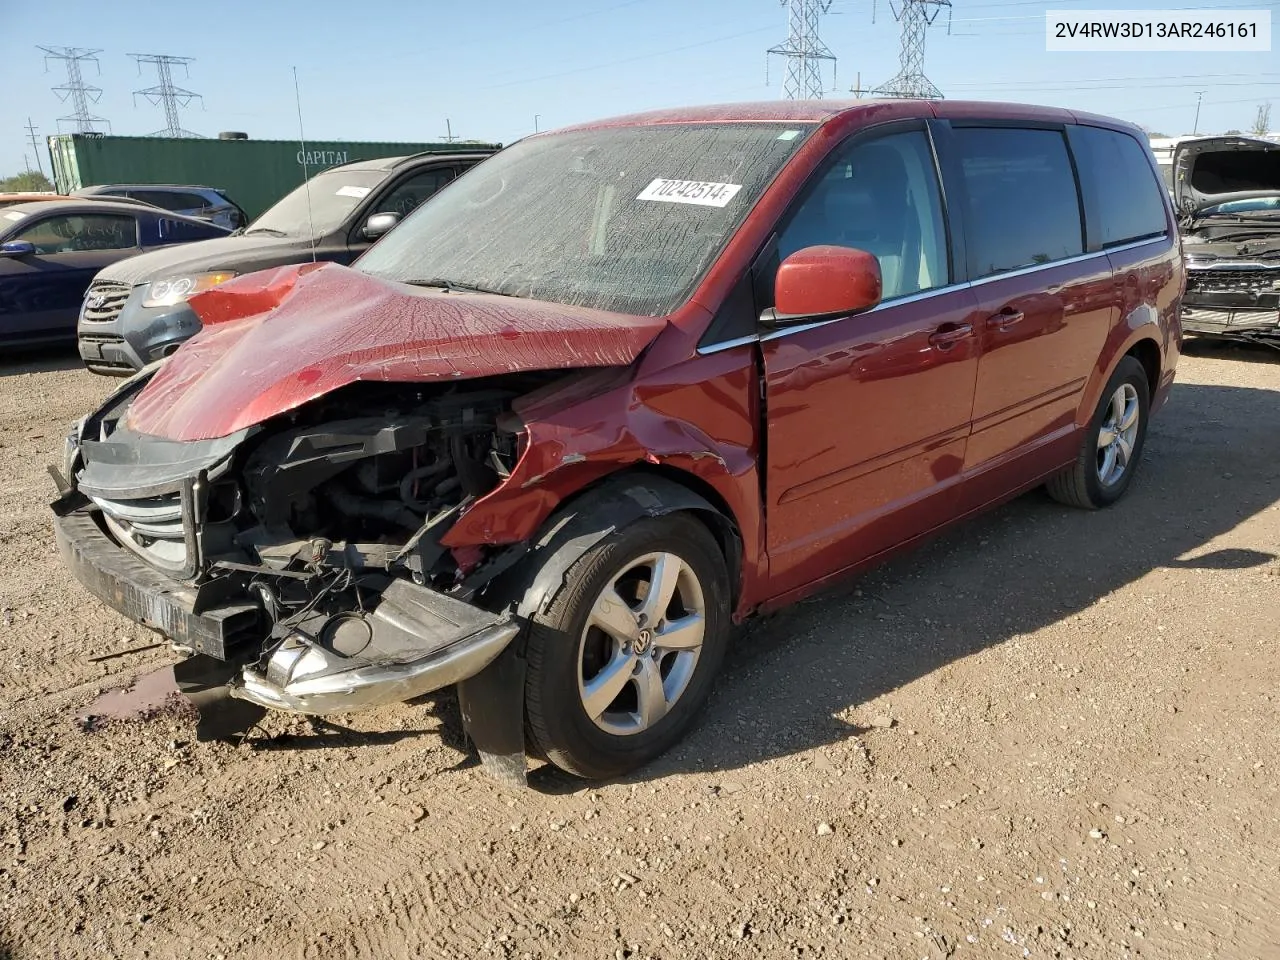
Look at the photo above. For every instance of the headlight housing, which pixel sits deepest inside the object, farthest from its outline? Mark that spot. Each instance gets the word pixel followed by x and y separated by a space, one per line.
pixel 174 290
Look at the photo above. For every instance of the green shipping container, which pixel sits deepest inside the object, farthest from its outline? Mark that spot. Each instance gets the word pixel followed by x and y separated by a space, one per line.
pixel 254 173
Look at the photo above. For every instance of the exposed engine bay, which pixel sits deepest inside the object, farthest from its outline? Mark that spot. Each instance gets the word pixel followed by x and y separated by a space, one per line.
pixel 1227 191
pixel 321 529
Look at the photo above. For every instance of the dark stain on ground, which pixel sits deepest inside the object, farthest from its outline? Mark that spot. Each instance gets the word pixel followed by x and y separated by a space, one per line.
pixel 147 697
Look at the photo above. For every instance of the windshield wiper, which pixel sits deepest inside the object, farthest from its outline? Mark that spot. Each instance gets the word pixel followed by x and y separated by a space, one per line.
pixel 452 285
pixel 270 230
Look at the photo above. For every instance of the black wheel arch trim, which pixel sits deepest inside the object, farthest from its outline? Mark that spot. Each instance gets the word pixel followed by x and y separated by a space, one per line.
pixel 606 508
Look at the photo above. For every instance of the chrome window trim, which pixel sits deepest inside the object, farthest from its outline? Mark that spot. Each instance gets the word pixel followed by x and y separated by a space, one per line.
pixel 926 294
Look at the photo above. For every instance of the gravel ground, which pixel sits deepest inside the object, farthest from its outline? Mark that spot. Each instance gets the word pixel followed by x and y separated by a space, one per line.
pixel 1047 734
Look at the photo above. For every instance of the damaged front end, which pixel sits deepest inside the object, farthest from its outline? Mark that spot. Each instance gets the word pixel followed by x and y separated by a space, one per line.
pixel 306 550
pixel 1227 191
pixel 1233 289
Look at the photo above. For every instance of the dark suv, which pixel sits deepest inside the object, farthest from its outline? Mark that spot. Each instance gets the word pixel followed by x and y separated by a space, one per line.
pixel 136 311
pixel 202 203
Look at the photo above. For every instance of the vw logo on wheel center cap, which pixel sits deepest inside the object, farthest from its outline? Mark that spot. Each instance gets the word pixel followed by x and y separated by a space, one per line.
pixel 643 640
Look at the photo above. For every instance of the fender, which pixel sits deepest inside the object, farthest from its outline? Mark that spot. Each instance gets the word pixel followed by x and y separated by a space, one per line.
pixel 1150 300
pixel 1142 325
pixel 615 503
pixel 698 418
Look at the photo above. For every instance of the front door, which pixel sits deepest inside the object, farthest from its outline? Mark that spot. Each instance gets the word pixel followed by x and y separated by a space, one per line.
pixel 868 415
pixel 1046 307
pixel 402 197
pixel 41 293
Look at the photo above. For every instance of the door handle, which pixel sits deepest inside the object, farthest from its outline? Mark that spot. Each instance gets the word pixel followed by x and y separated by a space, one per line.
pixel 949 334
pixel 1006 318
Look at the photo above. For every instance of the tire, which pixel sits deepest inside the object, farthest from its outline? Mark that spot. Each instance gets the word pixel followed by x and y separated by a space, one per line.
pixel 1093 481
pixel 574 662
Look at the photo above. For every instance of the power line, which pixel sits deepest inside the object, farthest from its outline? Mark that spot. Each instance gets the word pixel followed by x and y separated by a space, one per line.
pixel 915 17
pixel 803 50
pixel 1075 82
pixel 76 91
pixel 35 144
pixel 165 93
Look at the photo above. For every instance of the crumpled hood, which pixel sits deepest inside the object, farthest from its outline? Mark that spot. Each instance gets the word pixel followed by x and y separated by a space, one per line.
pixel 277 339
pixel 1213 170
pixel 220 253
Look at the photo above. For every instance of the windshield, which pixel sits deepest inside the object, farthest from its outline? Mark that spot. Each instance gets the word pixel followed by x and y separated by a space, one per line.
pixel 624 219
pixel 333 195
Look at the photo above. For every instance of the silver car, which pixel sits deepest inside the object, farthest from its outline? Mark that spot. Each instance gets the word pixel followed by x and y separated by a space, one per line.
pixel 203 203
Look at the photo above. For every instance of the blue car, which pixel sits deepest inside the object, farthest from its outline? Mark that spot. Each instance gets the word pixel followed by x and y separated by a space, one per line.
pixel 50 252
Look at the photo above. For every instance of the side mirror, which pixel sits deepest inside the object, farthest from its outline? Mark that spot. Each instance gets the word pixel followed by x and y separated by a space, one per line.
pixel 378 224
pixel 17 248
pixel 825 281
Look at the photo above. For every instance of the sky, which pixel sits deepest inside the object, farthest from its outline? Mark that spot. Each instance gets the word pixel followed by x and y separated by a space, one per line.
pixel 493 69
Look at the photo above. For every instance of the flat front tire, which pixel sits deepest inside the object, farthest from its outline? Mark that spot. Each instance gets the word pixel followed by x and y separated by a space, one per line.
pixel 624 656
pixel 1112 446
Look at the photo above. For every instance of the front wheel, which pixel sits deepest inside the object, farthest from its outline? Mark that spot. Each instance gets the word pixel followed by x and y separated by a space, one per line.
pixel 1112 445
pixel 624 657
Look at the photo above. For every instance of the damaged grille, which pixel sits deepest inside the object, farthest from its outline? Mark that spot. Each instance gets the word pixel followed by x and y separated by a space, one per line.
pixel 1234 280
pixel 104 301
pixel 152 527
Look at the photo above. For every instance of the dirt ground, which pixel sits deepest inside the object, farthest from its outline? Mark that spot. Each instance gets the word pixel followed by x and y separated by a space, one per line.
pixel 1048 734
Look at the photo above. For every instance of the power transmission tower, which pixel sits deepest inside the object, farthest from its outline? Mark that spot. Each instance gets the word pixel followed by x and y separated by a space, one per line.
pixel 75 90
pixel 35 144
pixel 165 93
pixel 915 17
pixel 804 50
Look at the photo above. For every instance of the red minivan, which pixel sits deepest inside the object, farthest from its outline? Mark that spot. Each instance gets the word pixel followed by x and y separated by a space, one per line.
pixel 623 385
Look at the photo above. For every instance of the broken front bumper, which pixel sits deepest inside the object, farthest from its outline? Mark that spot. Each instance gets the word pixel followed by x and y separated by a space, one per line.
pixel 1232 322
pixel 414 641
pixel 1233 300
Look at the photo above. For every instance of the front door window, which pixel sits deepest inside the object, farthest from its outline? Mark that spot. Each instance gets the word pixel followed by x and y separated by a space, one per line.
pixel 77 233
pixel 882 197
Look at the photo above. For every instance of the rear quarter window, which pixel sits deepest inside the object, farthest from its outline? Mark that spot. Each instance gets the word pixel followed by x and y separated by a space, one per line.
pixel 1023 205
pixel 1123 196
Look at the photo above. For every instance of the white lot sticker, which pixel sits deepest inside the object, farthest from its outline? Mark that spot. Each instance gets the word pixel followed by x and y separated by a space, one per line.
pixel 14 215
pixel 788 134
pixel 356 192
pixel 698 192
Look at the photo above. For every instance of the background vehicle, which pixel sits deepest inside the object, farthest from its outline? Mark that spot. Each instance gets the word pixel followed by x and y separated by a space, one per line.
pixel 256 172
pixel 9 199
pixel 335 217
pixel 50 251
pixel 621 385
pixel 202 203
pixel 1227 191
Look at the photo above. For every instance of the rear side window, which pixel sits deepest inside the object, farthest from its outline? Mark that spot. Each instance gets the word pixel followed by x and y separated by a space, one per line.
pixel 1023 205
pixel 171 199
pixel 1124 197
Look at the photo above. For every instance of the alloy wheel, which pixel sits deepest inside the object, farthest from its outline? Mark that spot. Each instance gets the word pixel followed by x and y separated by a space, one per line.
pixel 1117 434
pixel 641 643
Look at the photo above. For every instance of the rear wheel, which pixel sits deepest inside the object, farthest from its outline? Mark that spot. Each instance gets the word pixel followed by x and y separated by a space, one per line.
pixel 1112 445
pixel 624 657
